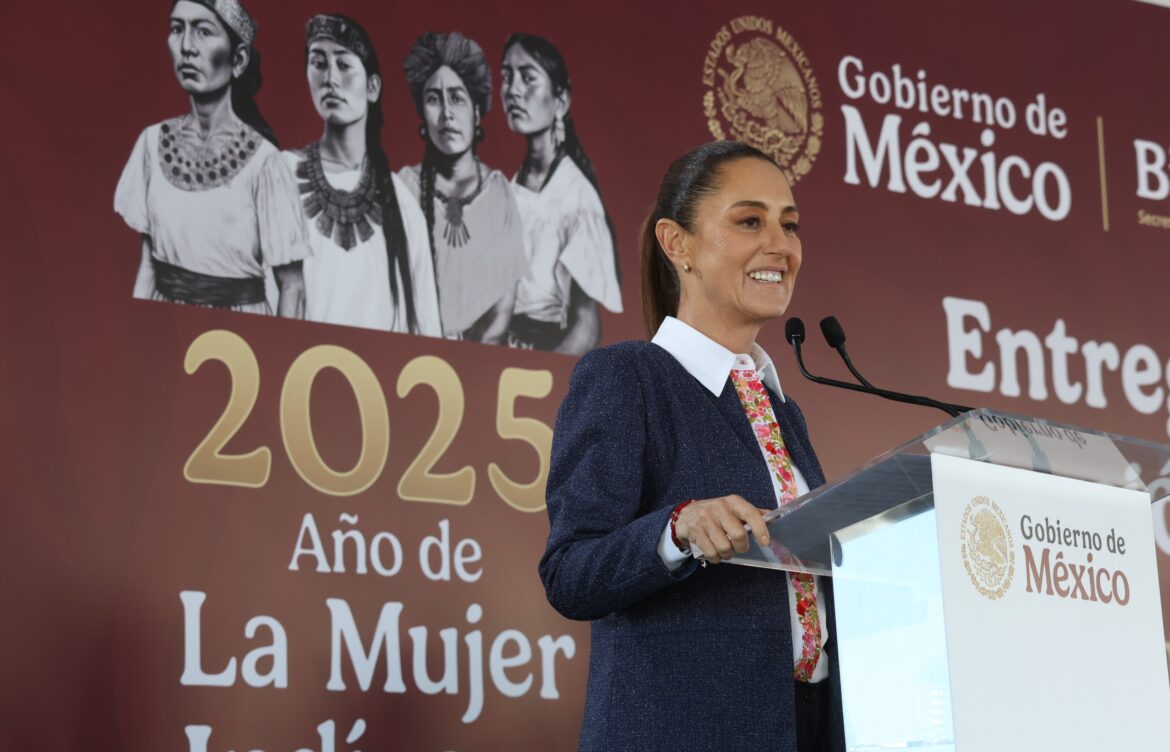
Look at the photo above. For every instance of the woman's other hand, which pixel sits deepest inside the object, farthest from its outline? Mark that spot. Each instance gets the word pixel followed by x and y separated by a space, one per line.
pixel 719 527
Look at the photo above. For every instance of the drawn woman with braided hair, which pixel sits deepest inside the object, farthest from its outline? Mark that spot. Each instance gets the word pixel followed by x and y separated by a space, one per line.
pixel 371 263
pixel 475 227
pixel 572 252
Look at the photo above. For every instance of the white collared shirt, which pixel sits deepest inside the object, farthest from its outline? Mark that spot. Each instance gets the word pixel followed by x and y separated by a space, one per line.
pixel 711 364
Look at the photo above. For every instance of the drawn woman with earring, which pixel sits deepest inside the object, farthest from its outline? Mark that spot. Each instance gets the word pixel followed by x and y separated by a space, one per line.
pixel 573 264
pixel 475 227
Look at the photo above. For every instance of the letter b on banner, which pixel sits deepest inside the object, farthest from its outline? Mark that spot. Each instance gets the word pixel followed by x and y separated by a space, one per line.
pixel 1153 183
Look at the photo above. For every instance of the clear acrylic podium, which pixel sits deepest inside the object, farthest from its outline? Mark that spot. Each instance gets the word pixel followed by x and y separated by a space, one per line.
pixel 877 533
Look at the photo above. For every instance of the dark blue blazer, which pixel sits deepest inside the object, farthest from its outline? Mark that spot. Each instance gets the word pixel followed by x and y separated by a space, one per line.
pixel 699 658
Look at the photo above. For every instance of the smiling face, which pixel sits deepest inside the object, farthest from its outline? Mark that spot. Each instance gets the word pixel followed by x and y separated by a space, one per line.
pixel 744 250
pixel 201 50
pixel 448 111
pixel 341 90
pixel 530 101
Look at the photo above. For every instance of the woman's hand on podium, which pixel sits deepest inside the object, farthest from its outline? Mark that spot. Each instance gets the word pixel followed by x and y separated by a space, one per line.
pixel 719 527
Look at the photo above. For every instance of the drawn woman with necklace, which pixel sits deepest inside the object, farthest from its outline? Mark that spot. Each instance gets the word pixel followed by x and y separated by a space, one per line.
pixel 475 228
pixel 206 192
pixel 371 264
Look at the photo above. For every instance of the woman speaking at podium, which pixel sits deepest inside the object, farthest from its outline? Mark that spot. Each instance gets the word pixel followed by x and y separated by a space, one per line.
pixel 668 452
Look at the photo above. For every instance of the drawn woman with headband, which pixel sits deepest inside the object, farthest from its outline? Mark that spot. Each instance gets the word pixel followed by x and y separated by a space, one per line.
pixel 212 209
pixel 371 263
pixel 476 231
pixel 568 236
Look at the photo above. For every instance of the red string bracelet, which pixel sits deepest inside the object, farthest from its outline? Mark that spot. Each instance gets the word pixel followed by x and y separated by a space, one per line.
pixel 674 519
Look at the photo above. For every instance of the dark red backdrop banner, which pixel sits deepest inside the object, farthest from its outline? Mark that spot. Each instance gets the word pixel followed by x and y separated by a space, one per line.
pixel 970 255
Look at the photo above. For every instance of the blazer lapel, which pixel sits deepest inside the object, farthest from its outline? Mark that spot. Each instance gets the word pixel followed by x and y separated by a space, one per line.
pixel 757 486
pixel 732 411
pixel 795 441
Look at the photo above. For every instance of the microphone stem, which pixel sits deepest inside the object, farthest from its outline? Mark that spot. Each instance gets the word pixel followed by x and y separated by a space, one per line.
pixel 893 396
pixel 849 364
pixel 952 410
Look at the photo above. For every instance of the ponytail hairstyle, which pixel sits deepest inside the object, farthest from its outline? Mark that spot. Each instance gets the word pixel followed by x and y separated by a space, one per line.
pixel 350 35
pixel 690 178
pixel 241 31
pixel 546 54
pixel 465 57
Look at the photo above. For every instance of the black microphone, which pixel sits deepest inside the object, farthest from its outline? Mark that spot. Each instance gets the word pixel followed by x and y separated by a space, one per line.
pixel 794 331
pixel 835 337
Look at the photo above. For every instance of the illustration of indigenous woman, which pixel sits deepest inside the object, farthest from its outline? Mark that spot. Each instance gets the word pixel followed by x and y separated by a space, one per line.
pixel 572 252
pixel 212 208
pixel 371 263
pixel 474 224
